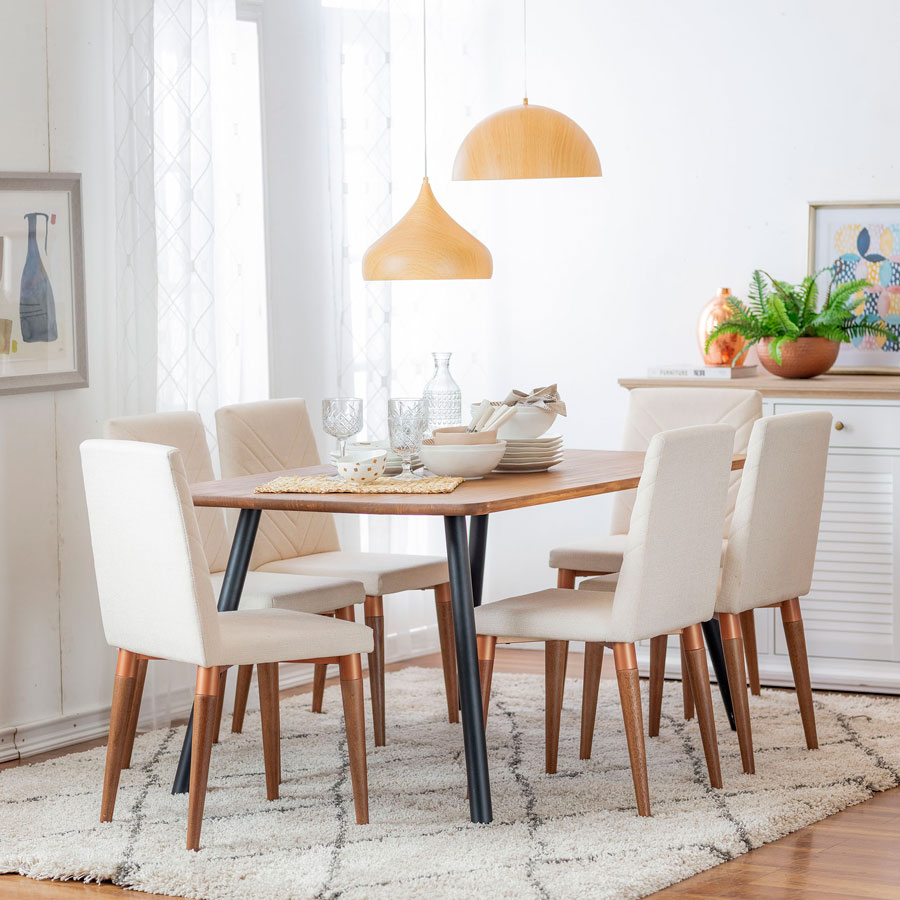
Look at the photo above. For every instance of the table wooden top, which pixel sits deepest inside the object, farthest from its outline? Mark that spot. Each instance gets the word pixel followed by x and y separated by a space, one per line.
pixel 583 473
pixel 831 385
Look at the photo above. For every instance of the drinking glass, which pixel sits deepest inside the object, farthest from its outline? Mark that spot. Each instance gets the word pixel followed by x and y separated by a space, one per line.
pixel 342 417
pixel 407 417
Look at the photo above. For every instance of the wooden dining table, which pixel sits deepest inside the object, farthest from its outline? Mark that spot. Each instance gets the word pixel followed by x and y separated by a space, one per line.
pixel 583 473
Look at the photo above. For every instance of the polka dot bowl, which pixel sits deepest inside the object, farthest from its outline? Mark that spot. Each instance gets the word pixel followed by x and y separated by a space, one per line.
pixel 361 467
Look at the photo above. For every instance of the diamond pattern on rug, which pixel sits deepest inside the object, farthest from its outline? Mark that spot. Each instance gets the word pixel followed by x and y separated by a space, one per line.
pixel 554 837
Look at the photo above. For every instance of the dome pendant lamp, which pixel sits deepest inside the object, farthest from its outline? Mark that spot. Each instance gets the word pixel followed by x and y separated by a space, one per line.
pixel 427 243
pixel 526 142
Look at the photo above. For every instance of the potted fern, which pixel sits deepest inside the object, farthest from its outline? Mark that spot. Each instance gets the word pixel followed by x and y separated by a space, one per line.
pixel 796 338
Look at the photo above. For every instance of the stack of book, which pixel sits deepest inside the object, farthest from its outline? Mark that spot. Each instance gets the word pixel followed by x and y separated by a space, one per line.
pixel 708 372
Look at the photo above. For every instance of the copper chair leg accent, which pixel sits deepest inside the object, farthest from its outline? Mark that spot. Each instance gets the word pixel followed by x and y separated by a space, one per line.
pixel 487 646
pixel 241 693
pixel 687 696
pixel 355 728
pixel 593 664
pixel 374 609
pixel 692 638
pixel 270 716
pixel 796 644
pixel 733 647
pixel 448 648
pixel 205 698
pixel 319 675
pixel 135 713
pixel 555 658
pixel 657 676
pixel 120 713
pixel 565 578
pixel 630 698
pixel 220 703
pixel 748 633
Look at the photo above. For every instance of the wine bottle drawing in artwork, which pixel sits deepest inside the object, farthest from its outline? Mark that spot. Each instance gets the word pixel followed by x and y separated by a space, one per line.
pixel 37 309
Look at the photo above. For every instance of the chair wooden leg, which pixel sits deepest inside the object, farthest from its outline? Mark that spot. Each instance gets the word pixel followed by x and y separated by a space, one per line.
pixel 448 648
pixel 355 728
pixel 375 620
pixel 123 694
pixel 320 674
pixel 630 697
pixel 135 713
pixel 733 647
pixel 687 695
pixel 555 658
pixel 241 693
pixel 748 634
pixel 796 644
pixel 220 703
pixel 270 716
pixel 205 699
pixel 657 677
pixel 487 646
pixel 692 638
pixel 593 664
pixel 565 578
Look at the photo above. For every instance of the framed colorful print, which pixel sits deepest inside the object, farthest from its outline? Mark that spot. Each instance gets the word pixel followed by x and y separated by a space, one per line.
pixel 862 240
pixel 43 344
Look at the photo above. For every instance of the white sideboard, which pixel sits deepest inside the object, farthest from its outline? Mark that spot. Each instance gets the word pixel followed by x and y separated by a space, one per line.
pixel 852 613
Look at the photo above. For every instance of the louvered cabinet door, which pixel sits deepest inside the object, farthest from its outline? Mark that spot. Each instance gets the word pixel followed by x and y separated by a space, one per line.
pixel 852 611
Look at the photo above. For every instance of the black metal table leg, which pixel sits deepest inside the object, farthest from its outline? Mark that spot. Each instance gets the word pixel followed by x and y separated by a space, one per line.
pixel 229 599
pixel 461 595
pixel 713 637
pixel 478 526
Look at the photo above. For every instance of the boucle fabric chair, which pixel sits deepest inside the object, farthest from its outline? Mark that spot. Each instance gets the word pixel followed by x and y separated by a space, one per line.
pixel 157 601
pixel 667 584
pixel 771 552
pixel 185 431
pixel 272 435
pixel 651 410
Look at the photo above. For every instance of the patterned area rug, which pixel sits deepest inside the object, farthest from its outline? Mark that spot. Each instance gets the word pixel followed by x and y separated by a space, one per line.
pixel 574 834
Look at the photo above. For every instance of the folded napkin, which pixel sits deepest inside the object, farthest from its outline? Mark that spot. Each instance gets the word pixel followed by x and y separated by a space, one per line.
pixel 542 397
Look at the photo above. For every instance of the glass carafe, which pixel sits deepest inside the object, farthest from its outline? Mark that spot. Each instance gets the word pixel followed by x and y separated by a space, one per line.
pixel 442 395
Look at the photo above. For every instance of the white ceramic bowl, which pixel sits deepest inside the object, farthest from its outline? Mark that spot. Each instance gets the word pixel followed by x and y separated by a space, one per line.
pixel 463 461
pixel 528 422
pixel 361 468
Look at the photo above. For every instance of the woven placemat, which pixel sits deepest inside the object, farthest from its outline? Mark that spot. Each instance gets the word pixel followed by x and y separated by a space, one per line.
pixel 325 484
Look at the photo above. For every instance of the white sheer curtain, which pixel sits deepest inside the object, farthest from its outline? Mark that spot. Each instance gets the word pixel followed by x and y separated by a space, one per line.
pixel 191 331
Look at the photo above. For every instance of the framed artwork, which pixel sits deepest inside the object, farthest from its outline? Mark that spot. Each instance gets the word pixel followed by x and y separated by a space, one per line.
pixel 43 343
pixel 862 240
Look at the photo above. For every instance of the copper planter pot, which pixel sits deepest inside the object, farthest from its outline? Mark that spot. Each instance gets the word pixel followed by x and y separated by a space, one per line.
pixel 804 358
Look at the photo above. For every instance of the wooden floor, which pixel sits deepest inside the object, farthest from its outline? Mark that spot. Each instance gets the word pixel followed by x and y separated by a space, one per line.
pixel 848 856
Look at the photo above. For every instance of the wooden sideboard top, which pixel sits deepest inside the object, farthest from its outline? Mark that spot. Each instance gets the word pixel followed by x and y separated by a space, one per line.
pixel 828 386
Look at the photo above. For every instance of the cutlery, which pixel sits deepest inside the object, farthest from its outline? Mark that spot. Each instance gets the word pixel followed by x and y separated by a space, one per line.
pixel 483 413
pixel 504 414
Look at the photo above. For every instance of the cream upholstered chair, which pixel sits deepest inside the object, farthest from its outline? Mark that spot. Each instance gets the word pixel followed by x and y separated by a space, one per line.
pixel 185 431
pixel 157 601
pixel 771 552
pixel 276 434
pixel 651 410
pixel 667 584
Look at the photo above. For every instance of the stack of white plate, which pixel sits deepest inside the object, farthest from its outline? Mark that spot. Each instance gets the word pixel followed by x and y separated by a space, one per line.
pixel 393 465
pixel 532 455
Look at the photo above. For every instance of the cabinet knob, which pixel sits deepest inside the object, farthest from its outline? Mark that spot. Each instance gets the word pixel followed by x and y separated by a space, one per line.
pixel 839 425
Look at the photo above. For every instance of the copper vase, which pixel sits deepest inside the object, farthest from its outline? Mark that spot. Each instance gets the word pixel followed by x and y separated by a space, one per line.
pixel 726 347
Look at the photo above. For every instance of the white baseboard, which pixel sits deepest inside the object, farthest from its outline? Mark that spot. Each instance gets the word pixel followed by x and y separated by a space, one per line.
pixel 63 731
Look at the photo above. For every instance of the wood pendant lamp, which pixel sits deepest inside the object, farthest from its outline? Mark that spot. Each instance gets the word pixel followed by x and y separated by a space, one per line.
pixel 526 142
pixel 427 243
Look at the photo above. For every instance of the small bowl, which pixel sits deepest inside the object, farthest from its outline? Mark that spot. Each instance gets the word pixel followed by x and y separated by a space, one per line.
pixel 457 436
pixel 528 422
pixel 470 461
pixel 361 468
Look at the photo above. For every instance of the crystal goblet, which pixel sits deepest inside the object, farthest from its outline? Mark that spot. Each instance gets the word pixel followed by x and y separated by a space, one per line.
pixel 342 417
pixel 407 417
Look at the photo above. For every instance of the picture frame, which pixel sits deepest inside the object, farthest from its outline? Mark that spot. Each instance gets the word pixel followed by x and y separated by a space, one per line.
pixel 43 329
pixel 861 239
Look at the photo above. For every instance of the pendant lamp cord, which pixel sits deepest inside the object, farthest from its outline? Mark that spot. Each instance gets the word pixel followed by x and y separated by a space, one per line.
pixel 525 48
pixel 425 87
